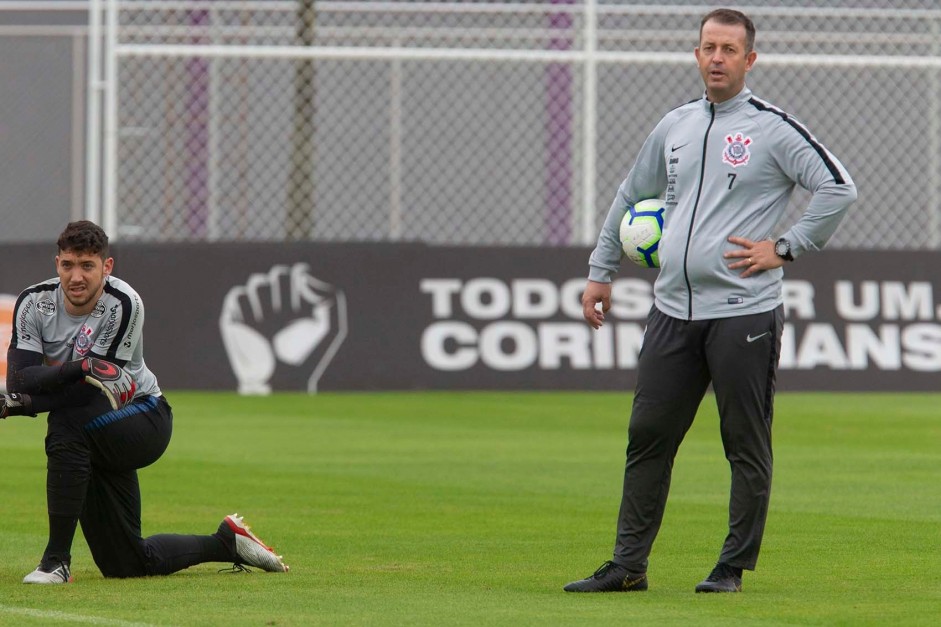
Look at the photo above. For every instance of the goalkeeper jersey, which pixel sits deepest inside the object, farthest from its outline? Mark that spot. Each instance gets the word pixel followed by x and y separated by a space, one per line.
pixel 112 331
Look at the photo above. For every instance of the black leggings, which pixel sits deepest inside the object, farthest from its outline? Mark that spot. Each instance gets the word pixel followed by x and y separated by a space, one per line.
pixel 93 456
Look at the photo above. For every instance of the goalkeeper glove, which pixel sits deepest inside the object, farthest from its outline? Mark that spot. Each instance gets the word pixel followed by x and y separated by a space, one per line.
pixel 115 382
pixel 15 404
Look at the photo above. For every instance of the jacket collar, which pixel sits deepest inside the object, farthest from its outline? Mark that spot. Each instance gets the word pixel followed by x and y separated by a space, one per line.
pixel 732 104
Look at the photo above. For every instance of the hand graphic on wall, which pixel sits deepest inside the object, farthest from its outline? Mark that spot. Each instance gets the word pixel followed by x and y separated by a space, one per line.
pixel 282 328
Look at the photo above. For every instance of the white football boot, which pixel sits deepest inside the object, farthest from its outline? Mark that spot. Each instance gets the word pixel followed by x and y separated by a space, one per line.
pixel 59 574
pixel 249 549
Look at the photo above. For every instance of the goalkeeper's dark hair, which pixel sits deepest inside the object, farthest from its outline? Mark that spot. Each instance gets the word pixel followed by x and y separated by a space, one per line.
pixel 84 237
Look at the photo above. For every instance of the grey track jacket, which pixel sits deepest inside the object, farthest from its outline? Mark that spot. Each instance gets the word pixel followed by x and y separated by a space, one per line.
pixel 725 169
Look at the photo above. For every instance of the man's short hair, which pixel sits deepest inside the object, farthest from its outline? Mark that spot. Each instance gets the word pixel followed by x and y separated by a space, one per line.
pixel 731 17
pixel 84 237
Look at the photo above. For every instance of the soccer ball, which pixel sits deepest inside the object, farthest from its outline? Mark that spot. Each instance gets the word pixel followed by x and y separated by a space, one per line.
pixel 641 229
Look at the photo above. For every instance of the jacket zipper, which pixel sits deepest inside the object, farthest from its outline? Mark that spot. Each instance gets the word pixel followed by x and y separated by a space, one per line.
pixel 692 219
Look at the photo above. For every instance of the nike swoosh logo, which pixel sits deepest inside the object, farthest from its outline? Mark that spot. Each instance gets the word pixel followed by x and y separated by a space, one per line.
pixel 674 147
pixel 751 339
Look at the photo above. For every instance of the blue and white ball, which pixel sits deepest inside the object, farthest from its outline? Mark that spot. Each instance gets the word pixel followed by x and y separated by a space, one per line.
pixel 641 230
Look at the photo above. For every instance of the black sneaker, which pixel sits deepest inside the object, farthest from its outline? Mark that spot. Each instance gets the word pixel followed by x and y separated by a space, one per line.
pixel 610 577
pixel 723 578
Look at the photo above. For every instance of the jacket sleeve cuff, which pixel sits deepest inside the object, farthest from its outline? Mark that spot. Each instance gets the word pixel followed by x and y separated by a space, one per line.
pixel 600 275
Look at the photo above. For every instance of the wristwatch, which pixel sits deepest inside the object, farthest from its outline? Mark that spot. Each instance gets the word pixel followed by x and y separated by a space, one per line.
pixel 782 248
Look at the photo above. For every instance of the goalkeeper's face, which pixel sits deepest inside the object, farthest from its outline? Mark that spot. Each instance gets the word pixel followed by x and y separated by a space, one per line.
pixel 82 278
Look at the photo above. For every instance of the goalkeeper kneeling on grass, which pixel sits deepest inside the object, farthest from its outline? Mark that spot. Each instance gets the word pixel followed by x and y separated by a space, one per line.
pixel 76 352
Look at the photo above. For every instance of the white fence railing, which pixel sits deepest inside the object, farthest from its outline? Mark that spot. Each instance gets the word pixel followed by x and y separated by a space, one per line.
pixel 475 123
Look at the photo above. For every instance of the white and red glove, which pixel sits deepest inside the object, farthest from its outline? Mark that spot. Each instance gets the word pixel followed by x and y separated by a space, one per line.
pixel 115 382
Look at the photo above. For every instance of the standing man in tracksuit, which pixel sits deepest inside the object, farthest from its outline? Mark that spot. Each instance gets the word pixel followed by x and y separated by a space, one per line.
pixel 726 166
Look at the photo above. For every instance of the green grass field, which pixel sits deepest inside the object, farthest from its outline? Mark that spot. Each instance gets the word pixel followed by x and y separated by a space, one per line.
pixel 476 508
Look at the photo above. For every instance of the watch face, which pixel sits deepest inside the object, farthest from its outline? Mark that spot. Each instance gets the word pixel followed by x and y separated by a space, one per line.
pixel 780 248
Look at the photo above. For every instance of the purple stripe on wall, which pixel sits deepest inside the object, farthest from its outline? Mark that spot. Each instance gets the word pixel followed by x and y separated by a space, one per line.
pixel 196 115
pixel 559 133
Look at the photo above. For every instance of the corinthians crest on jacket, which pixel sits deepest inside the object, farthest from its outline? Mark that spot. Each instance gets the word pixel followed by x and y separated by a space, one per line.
pixel 736 151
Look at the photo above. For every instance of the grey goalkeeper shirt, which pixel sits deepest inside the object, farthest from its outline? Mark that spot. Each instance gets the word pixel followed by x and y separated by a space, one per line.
pixel 725 169
pixel 112 331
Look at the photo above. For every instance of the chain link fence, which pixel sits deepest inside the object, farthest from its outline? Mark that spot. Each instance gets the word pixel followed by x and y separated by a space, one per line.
pixel 487 123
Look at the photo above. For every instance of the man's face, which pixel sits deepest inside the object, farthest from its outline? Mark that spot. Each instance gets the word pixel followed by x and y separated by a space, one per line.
pixel 82 276
pixel 723 61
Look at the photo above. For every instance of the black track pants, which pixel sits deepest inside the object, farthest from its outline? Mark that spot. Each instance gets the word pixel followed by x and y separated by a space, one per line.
pixel 678 361
pixel 93 455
